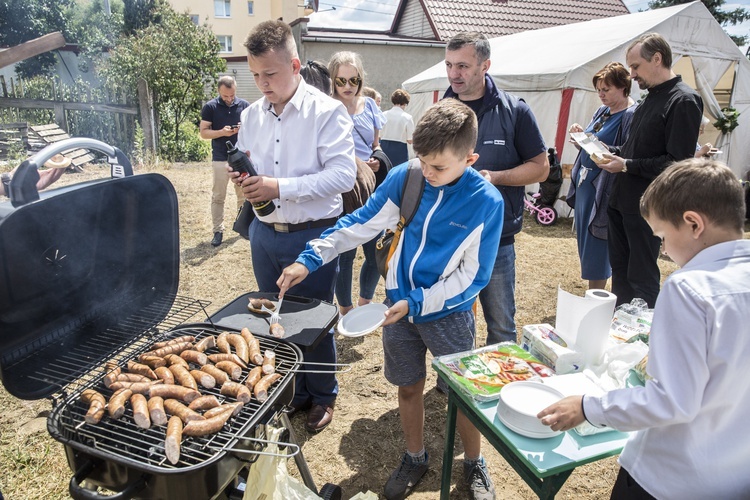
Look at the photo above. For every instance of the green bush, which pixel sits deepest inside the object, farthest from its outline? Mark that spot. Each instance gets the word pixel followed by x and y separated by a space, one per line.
pixel 189 147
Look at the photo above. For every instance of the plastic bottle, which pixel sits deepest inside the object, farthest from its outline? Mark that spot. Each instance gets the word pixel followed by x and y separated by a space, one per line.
pixel 239 162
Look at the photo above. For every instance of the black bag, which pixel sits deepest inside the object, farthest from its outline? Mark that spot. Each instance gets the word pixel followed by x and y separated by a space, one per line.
pixel 411 195
pixel 245 216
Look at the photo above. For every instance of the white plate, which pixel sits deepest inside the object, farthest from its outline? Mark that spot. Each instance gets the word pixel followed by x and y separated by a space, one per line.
pixel 519 404
pixel 362 320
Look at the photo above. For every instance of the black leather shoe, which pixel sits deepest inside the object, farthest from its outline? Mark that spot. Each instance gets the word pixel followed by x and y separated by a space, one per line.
pixel 318 418
pixel 217 239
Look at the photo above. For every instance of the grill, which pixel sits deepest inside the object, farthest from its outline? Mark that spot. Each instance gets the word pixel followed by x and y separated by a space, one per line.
pixel 88 275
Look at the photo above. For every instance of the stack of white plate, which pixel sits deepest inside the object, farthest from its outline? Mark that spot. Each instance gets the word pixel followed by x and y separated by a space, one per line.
pixel 362 320
pixel 519 404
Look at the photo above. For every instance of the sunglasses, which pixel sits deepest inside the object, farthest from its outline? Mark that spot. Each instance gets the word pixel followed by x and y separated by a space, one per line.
pixel 601 121
pixel 353 81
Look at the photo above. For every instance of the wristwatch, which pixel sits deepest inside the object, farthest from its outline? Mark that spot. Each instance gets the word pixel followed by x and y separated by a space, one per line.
pixel 625 166
pixel 5 179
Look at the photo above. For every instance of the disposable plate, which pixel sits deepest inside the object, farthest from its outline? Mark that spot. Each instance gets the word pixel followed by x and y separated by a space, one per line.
pixel 362 320
pixel 519 404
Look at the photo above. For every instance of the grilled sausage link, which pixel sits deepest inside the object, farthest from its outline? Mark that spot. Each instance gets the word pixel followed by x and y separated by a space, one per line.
pixel 253 346
pixel 113 370
pixel 203 379
pixel 152 362
pixel 96 403
pixel 140 411
pixel 174 407
pixel 204 403
pixel 132 377
pixel 269 362
pixel 236 408
pixel 222 344
pixel 116 405
pixel 232 369
pixel 218 375
pixel 205 344
pixel 156 410
pixel 194 357
pixel 165 374
pixel 170 349
pixel 276 330
pixel 173 440
pixel 135 387
pixel 261 388
pixel 174 392
pixel 215 358
pixel 253 377
pixel 141 369
pixel 175 359
pixel 183 377
pixel 237 391
pixel 240 347
pixel 207 426
pixel 178 340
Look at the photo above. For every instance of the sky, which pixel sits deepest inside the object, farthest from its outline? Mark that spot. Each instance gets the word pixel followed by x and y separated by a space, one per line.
pixel 378 14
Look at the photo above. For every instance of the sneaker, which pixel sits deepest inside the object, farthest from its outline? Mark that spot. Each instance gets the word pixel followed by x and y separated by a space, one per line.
pixel 405 477
pixel 217 239
pixel 478 479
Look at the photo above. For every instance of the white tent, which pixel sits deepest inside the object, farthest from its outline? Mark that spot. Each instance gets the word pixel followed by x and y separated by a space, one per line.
pixel 552 70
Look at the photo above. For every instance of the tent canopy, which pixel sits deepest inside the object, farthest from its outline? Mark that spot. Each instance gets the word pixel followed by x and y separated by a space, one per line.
pixel 552 69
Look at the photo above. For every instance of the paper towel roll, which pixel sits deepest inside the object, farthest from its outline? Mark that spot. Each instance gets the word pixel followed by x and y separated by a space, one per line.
pixel 584 321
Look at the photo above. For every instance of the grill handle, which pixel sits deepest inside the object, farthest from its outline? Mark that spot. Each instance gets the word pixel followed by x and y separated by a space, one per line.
pixel 295 447
pixel 80 493
pixel 22 188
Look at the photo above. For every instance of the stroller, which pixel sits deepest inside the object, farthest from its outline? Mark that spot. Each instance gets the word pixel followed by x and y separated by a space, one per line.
pixel 543 206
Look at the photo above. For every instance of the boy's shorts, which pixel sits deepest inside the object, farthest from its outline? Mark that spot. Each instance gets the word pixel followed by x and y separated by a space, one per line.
pixel 405 345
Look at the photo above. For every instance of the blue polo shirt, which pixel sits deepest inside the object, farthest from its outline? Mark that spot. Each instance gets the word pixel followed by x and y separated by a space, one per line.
pixel 220 115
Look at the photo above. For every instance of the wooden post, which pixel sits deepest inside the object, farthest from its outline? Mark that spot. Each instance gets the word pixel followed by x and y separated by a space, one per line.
pixel 146 108
pixel 60 116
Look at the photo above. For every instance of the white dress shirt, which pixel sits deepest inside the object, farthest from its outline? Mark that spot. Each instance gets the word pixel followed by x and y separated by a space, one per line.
pixel 308 148
pixel 399 125
pixel 693 440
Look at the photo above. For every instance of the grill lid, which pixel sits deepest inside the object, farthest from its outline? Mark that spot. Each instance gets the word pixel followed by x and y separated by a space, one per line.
pixel 76 263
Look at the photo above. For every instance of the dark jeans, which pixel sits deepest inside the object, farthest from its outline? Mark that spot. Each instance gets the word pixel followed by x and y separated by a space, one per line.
pixel 633 253
pixel 271 253
pixel 368 274
pixel 626 488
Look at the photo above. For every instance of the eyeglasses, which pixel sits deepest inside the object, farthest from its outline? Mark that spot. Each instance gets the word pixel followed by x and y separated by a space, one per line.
pixel 601 121
pixel 353 81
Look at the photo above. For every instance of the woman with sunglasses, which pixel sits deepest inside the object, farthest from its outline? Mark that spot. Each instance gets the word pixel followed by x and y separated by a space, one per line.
pixel 348 79
pixel 590 185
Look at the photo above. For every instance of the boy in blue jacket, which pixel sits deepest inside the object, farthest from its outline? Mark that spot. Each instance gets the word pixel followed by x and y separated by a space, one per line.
pixel 443 259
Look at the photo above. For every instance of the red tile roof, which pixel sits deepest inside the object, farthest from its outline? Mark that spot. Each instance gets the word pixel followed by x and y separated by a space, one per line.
pixel 504 17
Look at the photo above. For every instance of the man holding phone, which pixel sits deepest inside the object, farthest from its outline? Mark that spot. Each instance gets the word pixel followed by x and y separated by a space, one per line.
pixel 220 118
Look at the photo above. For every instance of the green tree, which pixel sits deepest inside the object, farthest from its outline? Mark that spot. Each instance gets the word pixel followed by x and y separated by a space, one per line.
pixel 24 20
pixel 178 60
pixel 139 14
pixel 725 18
pixel 94 30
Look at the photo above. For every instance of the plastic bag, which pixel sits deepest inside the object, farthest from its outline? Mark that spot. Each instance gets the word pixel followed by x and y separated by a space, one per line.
pixel 631 320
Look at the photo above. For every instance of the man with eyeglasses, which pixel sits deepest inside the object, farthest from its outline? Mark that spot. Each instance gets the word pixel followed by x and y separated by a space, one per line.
pixel 664 130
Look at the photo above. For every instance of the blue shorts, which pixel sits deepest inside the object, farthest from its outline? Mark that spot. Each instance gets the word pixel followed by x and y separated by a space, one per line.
pixel 405 345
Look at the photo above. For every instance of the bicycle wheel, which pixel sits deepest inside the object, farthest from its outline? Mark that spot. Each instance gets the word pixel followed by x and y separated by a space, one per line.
pixel 546 216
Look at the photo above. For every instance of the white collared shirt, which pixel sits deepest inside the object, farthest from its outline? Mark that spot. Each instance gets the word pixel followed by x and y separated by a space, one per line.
pixel 308 148
pixel 692 439
pixel 398 127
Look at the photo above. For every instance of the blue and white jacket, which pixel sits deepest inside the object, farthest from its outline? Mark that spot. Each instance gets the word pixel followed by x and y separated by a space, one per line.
pixel 445 255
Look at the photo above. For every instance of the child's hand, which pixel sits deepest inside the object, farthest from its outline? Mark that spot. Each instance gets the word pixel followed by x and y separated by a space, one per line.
pixel 290 276
pixel 396 312
pixel 563 415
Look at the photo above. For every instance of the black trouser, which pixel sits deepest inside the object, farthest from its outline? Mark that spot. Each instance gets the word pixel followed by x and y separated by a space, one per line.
pixel 626 488
pixel 633 254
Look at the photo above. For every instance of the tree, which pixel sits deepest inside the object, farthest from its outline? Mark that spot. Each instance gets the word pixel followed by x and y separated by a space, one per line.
pixel 724 18
pixel 177 59
pixel 24 20
pixel 139 14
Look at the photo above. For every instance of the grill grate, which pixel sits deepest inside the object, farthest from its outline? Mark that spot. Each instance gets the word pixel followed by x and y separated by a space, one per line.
pixel 144 448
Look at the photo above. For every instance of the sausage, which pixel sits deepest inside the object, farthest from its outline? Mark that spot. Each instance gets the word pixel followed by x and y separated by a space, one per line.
pixel 116 405
pixel 232 369
pixel 170 349
pixel 203 379
pixel 173 391
pixel 174 407
pixel 269 362
pixel 140 411
pixel 184 338
pixel 218 375
pixel 156 410
pixel 205 343
pixel 276 330
pixel 131 377
pixel 253 377
pixel 204 403
pixel 261 388
pixel 183 377
pixel 194 357
pixel 254 305
pixel 207 426
pixel 215 358
pixel 237 391
pixel 135 387
pixel 141 369
pixel 173 440
pixel 113 370
pixel 222 344
pixel 240 347
pixel 253 346
pixel 96 403
pixel 236 408
pixel 165 374
pixel 175 359
pixel 152 362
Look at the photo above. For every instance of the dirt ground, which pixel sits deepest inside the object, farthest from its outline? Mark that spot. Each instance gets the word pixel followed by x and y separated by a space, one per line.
pixel 364 443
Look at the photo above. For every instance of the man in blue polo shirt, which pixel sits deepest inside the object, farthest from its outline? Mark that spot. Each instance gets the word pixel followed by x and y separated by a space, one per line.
pixel 220 120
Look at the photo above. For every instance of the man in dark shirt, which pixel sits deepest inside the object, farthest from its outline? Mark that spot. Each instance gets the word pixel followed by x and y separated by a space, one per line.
pixel 220 122
pixel 664 130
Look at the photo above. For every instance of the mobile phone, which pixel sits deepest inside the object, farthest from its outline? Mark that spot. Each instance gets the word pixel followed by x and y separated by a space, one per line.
pixel 235 127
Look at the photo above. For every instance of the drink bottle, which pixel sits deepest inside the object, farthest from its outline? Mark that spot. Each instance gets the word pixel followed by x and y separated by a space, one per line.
pixel 239 162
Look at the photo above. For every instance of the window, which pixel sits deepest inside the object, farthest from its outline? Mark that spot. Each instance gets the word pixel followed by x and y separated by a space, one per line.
pixel 195 19
pixel 225 43
pixel 222 8
pixel 250 8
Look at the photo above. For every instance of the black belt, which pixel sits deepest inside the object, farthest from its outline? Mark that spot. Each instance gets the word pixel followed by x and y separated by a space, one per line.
pixel 284 227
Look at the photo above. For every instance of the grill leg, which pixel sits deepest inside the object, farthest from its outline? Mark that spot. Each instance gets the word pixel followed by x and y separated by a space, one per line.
pixel 299 458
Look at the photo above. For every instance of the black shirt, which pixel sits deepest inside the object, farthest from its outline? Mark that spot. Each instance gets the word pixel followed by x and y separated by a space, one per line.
pixel 220 115
pixel 664 130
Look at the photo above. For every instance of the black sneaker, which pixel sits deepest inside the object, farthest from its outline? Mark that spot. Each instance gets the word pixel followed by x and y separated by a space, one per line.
pixel 217 239
pixel 478 479
pixel 405 477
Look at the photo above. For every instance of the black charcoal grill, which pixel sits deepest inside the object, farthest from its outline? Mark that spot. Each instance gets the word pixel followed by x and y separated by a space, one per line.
pixel 89 274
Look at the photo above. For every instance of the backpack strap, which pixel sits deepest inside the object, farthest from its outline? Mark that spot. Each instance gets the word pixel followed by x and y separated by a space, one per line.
pixel 411 194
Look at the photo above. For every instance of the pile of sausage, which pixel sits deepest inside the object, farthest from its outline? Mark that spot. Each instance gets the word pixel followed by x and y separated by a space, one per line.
pixel 166 381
